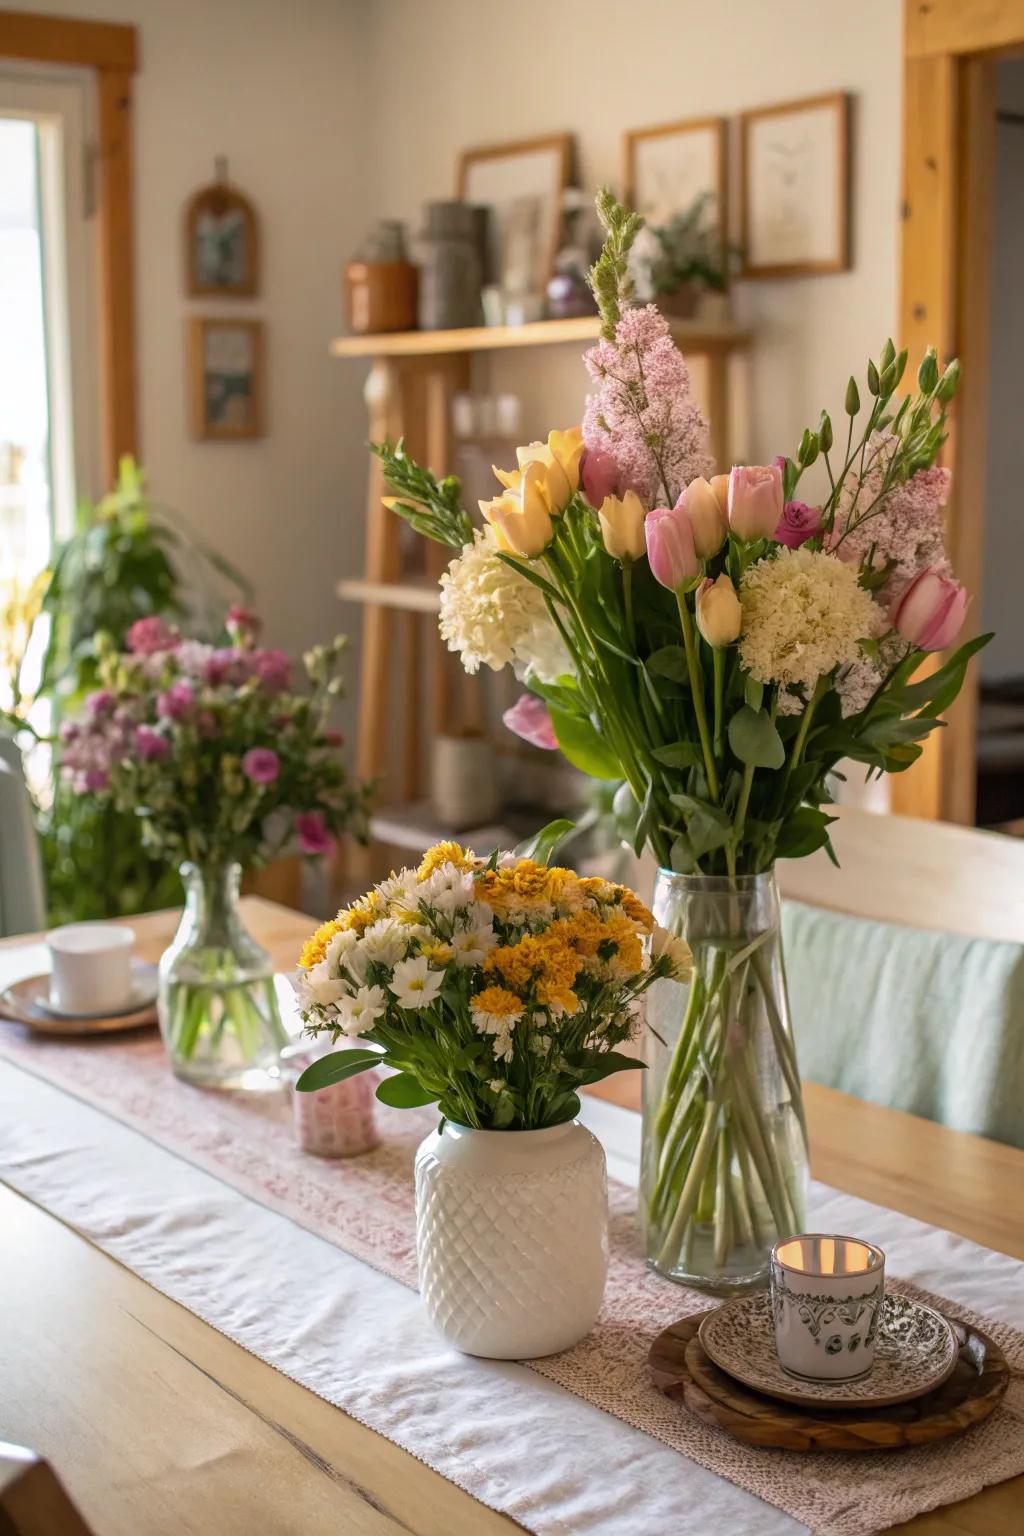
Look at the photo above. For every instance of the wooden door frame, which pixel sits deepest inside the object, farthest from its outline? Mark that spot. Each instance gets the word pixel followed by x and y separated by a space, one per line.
pixel 949 53
pixel 110 51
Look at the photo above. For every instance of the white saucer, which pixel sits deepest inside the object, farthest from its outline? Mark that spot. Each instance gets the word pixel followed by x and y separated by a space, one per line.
pixel 142 995
pixel 915 1351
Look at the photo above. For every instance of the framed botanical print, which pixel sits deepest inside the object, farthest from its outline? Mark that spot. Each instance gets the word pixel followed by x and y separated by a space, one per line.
pixel 522 185
pixel 794 182
pixel 226 384
pixel 668 167
pixel 221 242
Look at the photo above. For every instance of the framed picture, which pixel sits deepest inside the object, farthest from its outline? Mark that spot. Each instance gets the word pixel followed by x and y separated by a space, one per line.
pixel 226 379
pixel 221 243
pixel 794 184
pixel 668 167
pixel 522 185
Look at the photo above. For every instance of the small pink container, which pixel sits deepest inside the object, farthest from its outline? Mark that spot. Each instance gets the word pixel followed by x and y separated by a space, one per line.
pixel 339 1121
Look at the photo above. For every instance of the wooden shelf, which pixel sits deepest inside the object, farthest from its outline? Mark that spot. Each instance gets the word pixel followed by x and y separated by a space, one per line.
pixel 410 596
pixel 696 336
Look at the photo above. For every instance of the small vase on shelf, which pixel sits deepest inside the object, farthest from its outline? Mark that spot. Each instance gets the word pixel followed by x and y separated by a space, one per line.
pixel 218 1008
pixel 512 1237
pixel 724 1141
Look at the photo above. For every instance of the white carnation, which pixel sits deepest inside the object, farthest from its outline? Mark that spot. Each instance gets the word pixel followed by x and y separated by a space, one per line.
pixel 496 618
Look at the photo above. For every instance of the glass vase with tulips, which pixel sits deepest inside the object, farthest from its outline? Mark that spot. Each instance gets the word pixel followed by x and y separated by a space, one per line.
pixel 719 646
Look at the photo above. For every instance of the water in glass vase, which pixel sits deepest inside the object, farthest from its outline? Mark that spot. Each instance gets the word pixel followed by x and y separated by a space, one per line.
pixel 724 1140
pixel 218 1008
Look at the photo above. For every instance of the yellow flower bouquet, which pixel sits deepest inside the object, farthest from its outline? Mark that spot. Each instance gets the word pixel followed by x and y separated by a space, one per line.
pixel 496 989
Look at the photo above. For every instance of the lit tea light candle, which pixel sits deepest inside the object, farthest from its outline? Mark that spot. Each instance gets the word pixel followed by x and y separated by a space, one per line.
pixel 337 1121
pixel 826 1294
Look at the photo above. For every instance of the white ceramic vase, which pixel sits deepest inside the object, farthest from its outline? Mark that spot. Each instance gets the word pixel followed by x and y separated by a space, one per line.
pixel 512 1236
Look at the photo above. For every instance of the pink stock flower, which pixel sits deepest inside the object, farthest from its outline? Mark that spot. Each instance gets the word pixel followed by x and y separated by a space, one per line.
pixel 755 501
pixel 102 702
pixel 930 612
pixel 148 636
pixel 150 745
pixel 670 548
pixel 799 523
pixel 273 669
pixel 642 412
pixel 261 765
pixel 904 530
pixel 530 718
pixel 176 703
pixel 311 830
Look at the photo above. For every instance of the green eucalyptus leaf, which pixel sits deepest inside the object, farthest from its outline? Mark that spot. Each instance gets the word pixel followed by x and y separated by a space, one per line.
pixel 678 754
pixel 669 662
pixel 610 1062
pixel 335 1068
pixel 803 833
pixel 405 1092
pixel 755 740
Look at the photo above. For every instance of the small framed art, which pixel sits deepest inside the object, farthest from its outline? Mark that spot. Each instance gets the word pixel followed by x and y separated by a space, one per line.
pixel 666 169
pixel 522 184
pixel 794 187
pixel 226 387
pixel 221 242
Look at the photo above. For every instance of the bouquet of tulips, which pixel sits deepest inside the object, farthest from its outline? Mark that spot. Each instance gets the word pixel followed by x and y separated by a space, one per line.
pixel 718 643
pixel 497 990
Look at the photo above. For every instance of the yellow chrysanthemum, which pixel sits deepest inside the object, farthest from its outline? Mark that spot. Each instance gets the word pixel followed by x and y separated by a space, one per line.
pixel 315 947
pixel 437 952
pixel 598 889
pixel 498 1001
pixel 544 958
pixel 583 932
pixel 444 853
pixel 359 916
pixel 635 909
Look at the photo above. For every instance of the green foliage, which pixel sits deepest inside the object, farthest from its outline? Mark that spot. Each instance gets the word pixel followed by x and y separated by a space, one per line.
pixel 430 506
pixel 609 277
pixel 690 251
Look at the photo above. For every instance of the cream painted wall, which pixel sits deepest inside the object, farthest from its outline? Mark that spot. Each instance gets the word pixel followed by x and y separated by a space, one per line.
pixel 275 87
pixel 451 73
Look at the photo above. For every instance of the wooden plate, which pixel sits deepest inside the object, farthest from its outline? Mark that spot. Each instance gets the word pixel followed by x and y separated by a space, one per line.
pixel 681 1369
pixel 22 1002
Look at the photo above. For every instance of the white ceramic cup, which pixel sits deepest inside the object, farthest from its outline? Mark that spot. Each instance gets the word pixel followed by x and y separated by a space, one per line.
pixel 826 1295
pixel 90 967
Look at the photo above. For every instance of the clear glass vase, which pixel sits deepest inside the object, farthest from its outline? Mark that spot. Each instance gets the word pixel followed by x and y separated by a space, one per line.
pixel 724 1139
pixel 218 1008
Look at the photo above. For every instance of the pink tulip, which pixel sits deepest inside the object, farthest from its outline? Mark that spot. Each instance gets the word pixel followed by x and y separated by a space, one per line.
pixel 599 474
pixel 670 547
pixel 755 501
pixel 799 523
pixel 530 718
pixel 929 612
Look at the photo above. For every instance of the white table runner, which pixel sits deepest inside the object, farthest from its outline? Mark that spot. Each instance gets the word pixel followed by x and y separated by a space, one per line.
pixel 514 1440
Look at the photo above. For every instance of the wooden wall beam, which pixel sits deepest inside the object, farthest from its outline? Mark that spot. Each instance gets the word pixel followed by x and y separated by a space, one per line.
pixel 935 27
pixel 63 40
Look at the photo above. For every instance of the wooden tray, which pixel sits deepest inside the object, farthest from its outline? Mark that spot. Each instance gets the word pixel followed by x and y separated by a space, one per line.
pixel 20 1003
pixel 681 1369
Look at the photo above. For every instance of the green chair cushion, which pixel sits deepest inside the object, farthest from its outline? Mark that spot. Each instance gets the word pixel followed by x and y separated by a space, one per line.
pixel 931 1023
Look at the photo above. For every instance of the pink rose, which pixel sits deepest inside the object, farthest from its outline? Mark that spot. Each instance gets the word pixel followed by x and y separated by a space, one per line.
pixel 530 719
pixel 311 830
pixel 261 765
pixel 930 611
pixel 755 501
pixel 150 745
pixel 799 523
pixel 670 547
pixel 148 636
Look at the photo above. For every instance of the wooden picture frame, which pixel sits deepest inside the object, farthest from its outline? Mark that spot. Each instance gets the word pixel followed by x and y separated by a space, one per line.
pixel 490 166
pixel 222 244
pixel 782 199
pixel 226 382
pixel 635 141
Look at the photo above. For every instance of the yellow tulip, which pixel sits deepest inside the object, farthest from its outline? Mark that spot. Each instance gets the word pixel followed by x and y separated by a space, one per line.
pixel 706 517
pixel 520 518
pixel 559 460
pixel 719 615
pixel 622 526
pixel 720 485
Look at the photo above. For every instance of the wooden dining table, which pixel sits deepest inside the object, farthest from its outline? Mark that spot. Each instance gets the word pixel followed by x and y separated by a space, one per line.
pixel 161 1426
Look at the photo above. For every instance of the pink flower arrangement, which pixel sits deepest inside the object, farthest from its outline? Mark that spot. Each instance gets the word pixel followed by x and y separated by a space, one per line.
pixel 211 748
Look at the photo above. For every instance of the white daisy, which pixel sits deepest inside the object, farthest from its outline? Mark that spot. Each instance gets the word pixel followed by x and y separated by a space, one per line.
pixel 385 941
pixel 502 1046
pixel 340 946
pixel 360 1013
pixel 447 889
pixel 317 988
pixel 471 945
pixel 414 984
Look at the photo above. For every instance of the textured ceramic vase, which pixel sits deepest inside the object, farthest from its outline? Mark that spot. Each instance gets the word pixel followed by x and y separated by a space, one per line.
pixel 512 1236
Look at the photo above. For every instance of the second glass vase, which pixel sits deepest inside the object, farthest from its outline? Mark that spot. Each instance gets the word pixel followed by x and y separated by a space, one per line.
pixel 218 1008
pixel 724 1139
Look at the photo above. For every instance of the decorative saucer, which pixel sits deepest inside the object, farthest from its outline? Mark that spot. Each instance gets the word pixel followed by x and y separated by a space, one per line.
pixel 28 1002
pixel 142 995
pixel 915 1351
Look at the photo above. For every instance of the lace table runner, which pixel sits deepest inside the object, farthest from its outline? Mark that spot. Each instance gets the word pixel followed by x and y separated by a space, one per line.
pixel 365 1207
